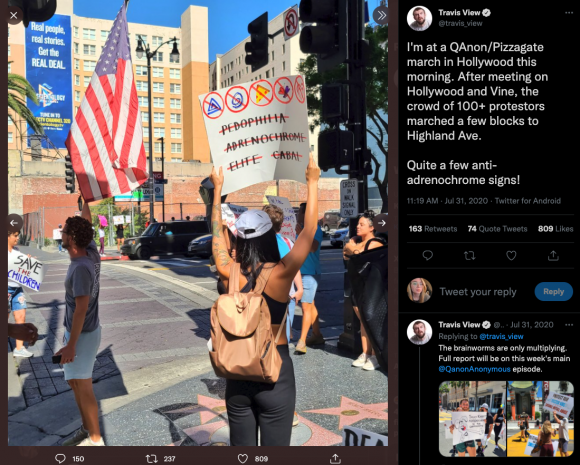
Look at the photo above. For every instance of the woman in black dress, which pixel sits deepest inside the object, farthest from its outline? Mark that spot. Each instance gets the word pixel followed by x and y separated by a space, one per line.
pixel 120 236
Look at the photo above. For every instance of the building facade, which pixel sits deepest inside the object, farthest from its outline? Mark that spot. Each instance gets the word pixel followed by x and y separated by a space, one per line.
pixel 492 393
pixel 176 84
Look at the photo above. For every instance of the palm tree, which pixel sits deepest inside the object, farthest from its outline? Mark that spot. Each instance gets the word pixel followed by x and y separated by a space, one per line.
pixel 455 385
pixel 18 89
pixel 443 389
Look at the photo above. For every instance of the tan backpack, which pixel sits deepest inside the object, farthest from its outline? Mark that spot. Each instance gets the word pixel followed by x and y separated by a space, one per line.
pixel 243 345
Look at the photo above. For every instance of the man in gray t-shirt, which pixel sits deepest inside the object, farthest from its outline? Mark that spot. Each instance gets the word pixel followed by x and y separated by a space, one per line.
pixel 82 330
pixel 83 279
pixel 563 435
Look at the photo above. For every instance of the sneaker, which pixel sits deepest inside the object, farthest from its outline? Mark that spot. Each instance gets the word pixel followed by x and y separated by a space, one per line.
pixel 372 364
pixel 295 421
pixel 301 347
pixel 22 353
pixel 315 340
pixel 89 442
pixel 361 360
pixel 80 435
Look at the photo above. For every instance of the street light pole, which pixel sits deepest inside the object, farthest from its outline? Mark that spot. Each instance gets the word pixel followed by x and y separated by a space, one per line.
pixel 162 139
pixel 150 54
pixel 151 178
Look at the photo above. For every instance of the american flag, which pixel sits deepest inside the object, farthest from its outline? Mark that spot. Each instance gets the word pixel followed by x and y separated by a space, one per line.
pixel 106 139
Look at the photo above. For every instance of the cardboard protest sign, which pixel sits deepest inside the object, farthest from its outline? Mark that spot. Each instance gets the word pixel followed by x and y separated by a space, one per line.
pixel 230 214
pixel 26 270
pixel 468 426
pixel 359 437
pixel 561 404
pixel 289 226
pixel 532 441
pixel 118 220
pixel 258 131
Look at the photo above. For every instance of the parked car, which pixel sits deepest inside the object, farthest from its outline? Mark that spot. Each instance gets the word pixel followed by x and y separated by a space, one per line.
pixel 167 238
pixel 343 223
pixel 339 237
pixel 331 220
pixel 200 247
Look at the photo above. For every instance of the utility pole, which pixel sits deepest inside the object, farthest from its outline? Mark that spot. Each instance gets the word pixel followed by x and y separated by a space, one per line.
pixel 162 139
pixel 335 32
pixel 357 124
pixel 150 54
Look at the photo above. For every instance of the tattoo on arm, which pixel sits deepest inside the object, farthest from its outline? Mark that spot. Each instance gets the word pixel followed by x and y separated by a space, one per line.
pixel 220 251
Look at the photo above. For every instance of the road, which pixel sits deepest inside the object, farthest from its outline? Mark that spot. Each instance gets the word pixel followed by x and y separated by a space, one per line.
pixel 152 363
pixel 185 271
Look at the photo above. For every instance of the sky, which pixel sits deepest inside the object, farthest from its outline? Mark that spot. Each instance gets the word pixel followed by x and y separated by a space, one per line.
pixel 228 19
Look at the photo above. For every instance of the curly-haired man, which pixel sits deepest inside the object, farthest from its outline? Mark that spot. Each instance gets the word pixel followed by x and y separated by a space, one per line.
pixel 82 327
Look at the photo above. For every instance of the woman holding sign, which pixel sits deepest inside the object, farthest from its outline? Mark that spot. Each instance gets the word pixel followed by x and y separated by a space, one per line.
pixel 251 405
pixel 544 444
pixel 16 299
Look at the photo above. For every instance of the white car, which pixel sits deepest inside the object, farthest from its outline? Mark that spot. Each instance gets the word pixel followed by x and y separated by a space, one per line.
pixel 339 237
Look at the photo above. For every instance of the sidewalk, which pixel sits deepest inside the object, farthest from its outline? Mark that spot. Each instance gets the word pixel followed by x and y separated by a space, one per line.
pixel 153 378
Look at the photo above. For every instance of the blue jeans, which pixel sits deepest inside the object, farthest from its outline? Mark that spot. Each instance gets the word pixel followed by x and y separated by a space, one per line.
pixel 59 243
pixel 290 318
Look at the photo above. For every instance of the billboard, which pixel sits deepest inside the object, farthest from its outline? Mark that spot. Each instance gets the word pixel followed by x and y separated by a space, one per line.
pixel 48 69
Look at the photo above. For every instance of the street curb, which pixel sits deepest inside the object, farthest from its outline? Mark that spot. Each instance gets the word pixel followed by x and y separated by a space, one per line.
pixel 56 418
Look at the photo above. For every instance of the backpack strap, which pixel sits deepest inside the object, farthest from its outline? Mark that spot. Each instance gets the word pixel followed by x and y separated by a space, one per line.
pixel 282 325
pixel 234 282
pixel 263 277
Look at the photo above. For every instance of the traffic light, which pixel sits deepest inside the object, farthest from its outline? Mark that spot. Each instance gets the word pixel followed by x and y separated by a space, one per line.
pixel 257 49
pixel 329 37
pixel 69 175
pixel 38 11
pixel 335 148
pixel 334 98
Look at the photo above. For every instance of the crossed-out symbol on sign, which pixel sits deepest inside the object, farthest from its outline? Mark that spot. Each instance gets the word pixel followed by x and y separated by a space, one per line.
pixel 299 90
pixel 291 25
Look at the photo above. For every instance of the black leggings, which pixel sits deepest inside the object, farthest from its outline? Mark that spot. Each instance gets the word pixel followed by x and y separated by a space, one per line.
pixel 270 407
pixel 497 431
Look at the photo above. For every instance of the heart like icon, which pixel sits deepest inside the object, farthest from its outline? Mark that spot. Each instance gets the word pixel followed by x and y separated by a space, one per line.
pixel 511 254
pixel 242 458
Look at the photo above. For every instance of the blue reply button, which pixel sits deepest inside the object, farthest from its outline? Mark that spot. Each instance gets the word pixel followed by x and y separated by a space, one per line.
pixel 554 292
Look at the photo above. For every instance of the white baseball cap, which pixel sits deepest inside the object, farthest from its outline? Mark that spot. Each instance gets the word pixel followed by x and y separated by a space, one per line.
pixel 253 223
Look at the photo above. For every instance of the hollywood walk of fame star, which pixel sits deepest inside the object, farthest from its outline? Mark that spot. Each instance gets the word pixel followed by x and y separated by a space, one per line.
pixel 351 411
pixel 207 407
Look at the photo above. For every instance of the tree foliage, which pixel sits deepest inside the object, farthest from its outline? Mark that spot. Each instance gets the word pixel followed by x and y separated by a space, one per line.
pixel 376 84
pixel 18 89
